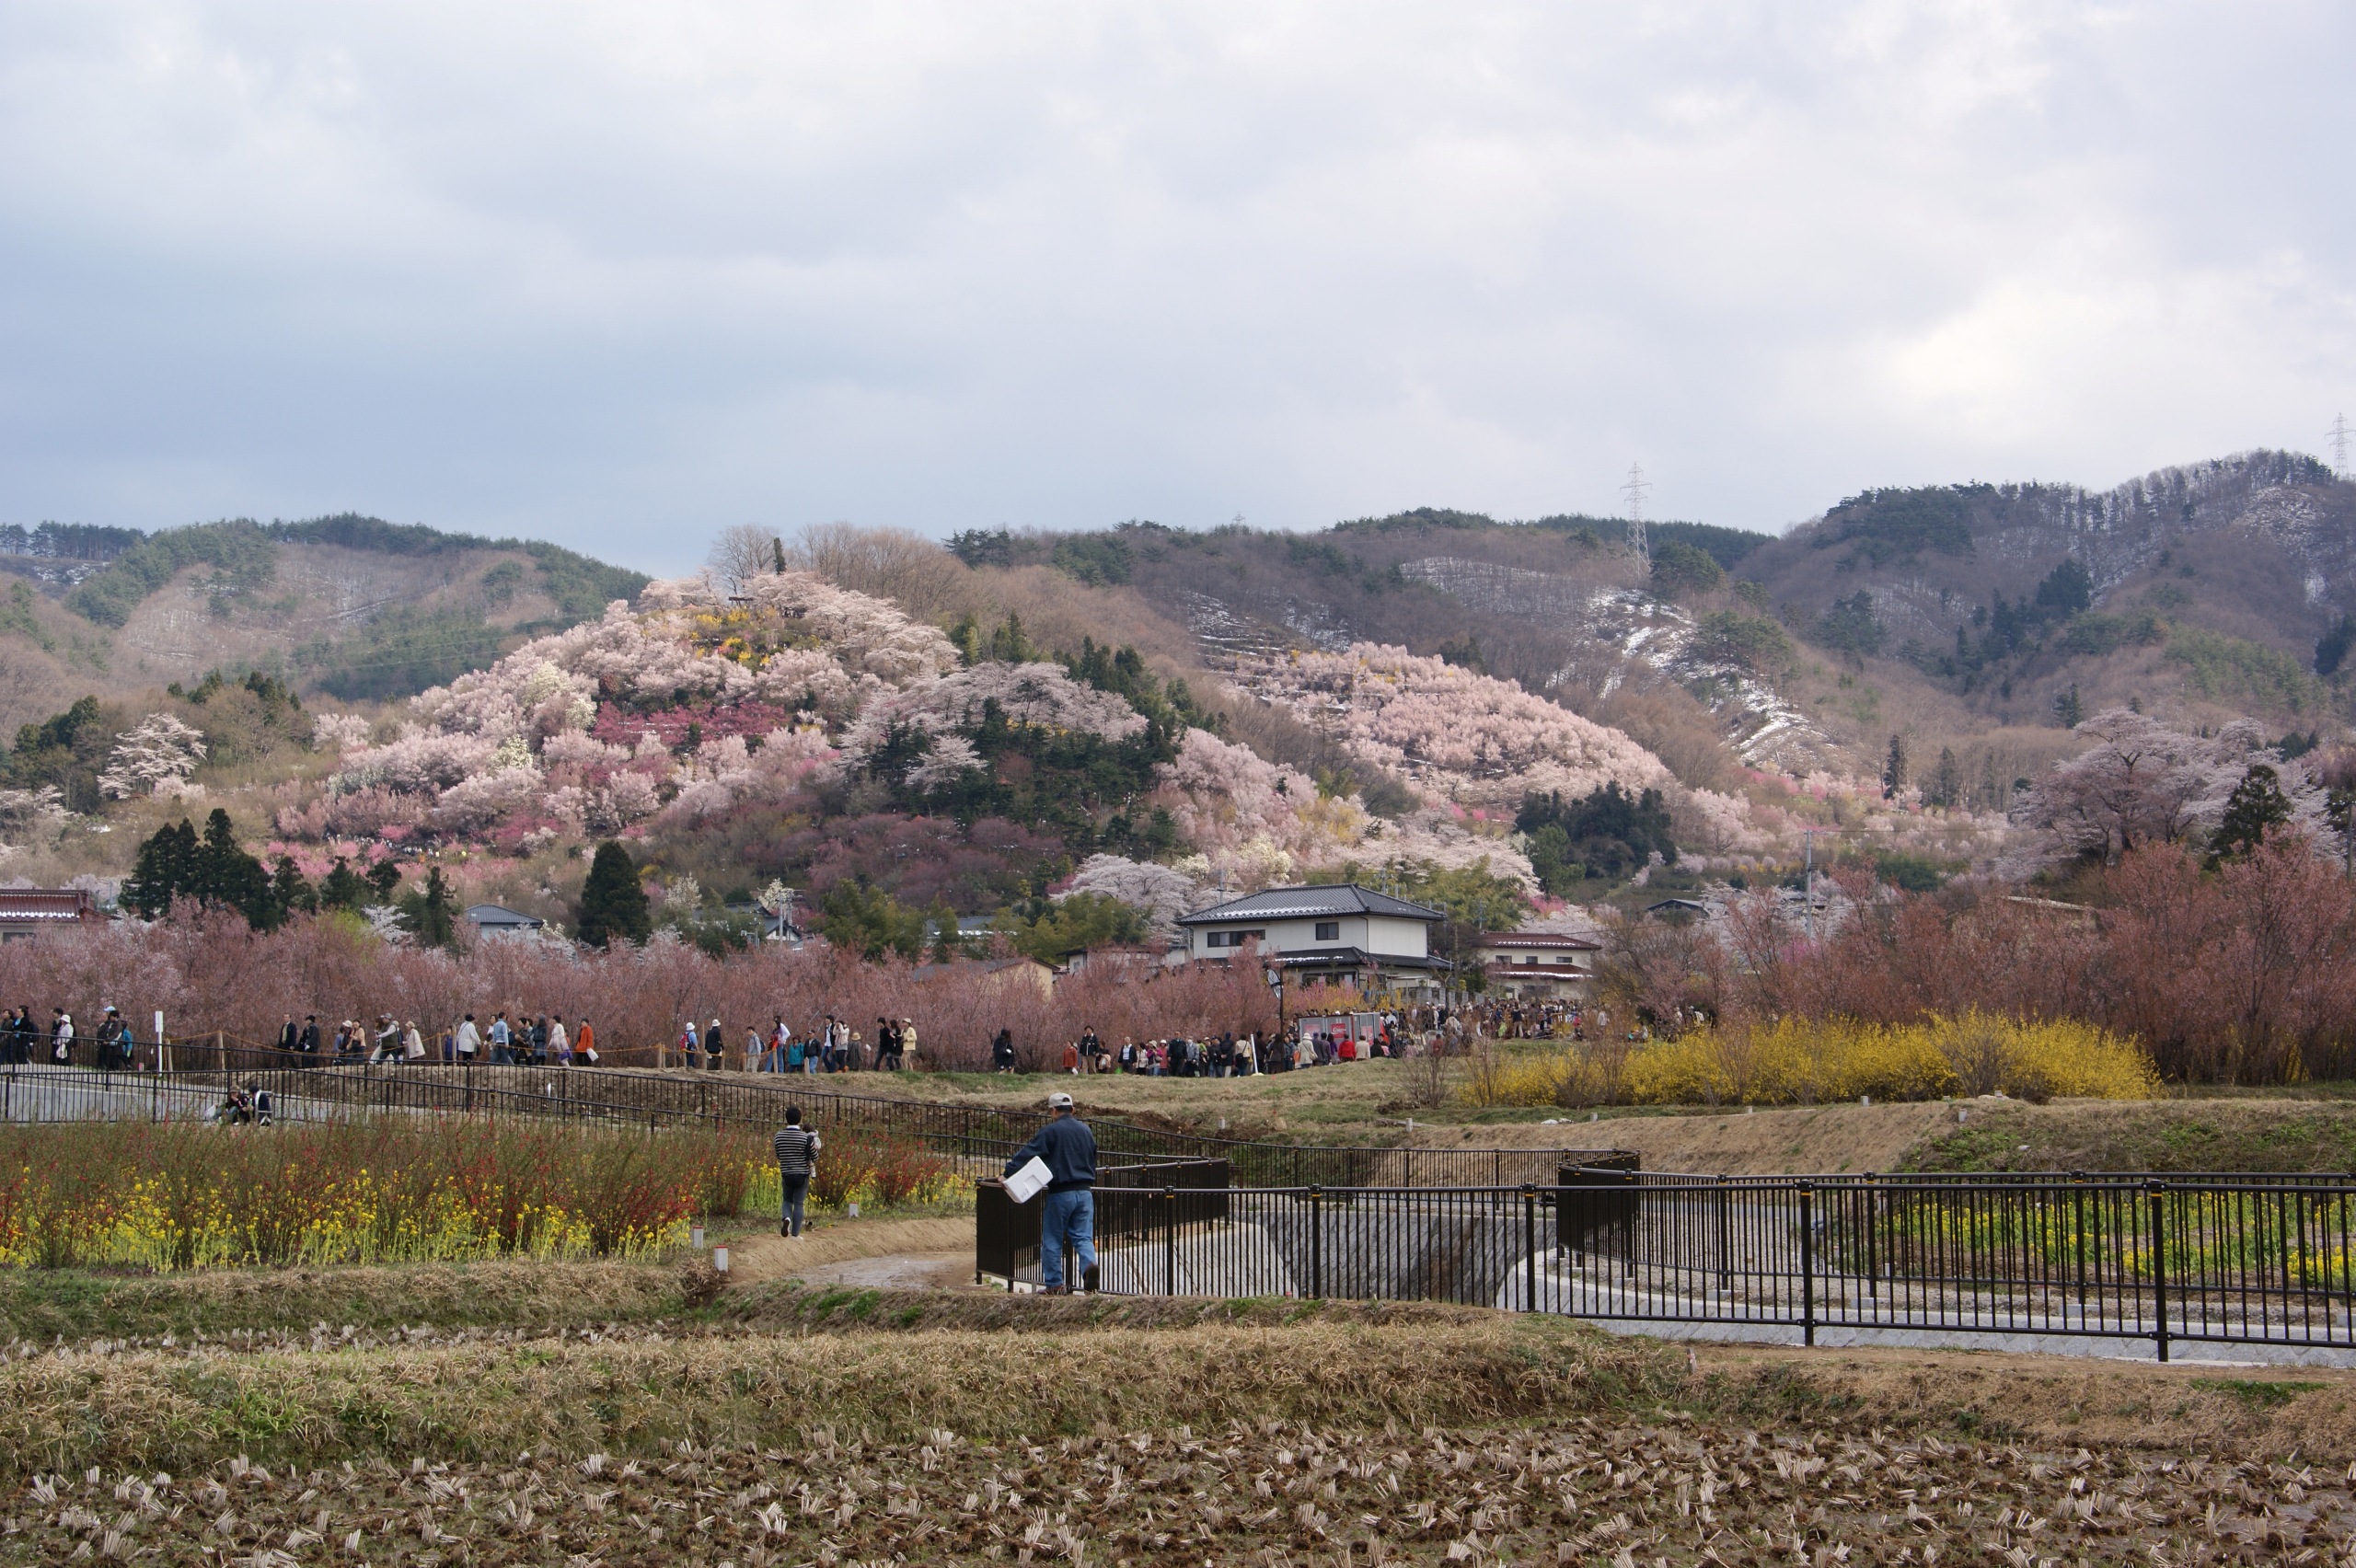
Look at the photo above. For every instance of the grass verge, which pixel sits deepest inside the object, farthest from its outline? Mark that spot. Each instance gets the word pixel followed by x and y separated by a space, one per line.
pixel 177 1411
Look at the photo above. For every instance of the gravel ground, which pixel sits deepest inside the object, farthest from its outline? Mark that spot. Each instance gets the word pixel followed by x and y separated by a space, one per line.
pixel 1587 1491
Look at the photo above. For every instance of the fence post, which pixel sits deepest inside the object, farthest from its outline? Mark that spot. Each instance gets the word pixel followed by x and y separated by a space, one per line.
pixel 1316 1244
pixel 1726 1242
pixel 2157 1191
pixel 1530 1246
pixel 1807 1264
pixel 1168 1242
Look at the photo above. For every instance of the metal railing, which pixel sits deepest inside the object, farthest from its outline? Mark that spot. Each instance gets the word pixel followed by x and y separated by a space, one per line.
pixel 303 1086
pixel 2236 1260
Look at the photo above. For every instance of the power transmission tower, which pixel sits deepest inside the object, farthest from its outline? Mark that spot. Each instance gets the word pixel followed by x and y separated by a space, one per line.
pixel 1635 489
pixel 2340 433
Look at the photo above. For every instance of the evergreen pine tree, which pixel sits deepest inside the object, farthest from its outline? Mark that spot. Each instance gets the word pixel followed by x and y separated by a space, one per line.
pixel 2068 709
pixel 776 557
pixel 164 871
pixel 385 876
pixel 1893 769
pixel 290 891
pixel 613 904
pixel 1947 784
pixel 437 921
pixel 226 875
pixel 343 888
pixel 2257 804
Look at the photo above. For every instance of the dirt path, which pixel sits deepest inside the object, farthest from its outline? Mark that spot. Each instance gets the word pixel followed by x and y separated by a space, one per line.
pixel 1806 1139
pixel 916 1249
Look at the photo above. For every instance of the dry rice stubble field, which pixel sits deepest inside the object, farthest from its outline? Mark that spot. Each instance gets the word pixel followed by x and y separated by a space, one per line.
pixel 784 1425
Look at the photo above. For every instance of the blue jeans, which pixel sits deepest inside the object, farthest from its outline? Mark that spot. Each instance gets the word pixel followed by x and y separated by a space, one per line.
pixel 1072 1213
pixel 792 1191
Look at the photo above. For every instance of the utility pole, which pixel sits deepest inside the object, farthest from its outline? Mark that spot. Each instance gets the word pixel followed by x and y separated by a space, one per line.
pixel 1635 489
pixel 1807 896
pixel 2342 433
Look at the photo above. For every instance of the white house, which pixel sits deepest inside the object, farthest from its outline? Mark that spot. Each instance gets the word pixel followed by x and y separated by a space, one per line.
pixel 1536 966
pixel 1341 931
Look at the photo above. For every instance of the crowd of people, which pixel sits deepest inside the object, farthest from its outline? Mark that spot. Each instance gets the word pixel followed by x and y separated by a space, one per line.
pixel 522 1037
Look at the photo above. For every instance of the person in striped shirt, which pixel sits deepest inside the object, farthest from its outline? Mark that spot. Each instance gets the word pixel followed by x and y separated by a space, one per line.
pixel 796 1148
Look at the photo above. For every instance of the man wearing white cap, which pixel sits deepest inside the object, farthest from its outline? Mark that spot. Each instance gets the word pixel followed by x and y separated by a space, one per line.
pixel 1069 1150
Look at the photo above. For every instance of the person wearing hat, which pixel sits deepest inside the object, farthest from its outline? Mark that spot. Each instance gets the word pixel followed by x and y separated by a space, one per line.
pixel 1068 1210
pixel 114 1041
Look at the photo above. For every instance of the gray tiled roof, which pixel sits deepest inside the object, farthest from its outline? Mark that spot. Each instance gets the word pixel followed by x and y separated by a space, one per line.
pixel 1310 903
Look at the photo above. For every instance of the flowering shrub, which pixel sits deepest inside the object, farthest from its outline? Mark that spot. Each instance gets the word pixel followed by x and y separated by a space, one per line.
pixel 176 1196
pixel 877 1171
pixel 1797 1062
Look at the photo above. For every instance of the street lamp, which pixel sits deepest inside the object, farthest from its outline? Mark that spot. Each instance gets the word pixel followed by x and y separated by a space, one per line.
pixel 1276 984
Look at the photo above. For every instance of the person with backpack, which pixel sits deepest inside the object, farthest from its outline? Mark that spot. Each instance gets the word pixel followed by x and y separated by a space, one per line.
pixel 796 1148
pixel 1067 1217
pixel 1003 1052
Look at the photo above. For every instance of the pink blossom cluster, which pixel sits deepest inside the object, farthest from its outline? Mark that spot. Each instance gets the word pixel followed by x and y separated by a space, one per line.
pixel 1458 734
pixel 1256 820
pixel 1037 695
pixel 618 726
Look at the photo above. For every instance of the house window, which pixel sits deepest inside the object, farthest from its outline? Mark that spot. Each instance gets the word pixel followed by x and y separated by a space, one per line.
pixel 1329 930
pixel 1236 938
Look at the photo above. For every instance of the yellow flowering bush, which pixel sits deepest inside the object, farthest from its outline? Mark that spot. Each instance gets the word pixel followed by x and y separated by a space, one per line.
pixel 1797 1062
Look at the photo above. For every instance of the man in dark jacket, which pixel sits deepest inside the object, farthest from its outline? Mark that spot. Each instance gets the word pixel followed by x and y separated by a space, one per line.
pixel 1069 1209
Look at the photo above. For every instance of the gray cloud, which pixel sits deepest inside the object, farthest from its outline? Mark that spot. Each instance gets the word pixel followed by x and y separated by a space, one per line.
pixel 621 274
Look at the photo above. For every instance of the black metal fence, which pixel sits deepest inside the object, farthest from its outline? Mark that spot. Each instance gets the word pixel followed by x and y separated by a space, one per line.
pixel 2232 1259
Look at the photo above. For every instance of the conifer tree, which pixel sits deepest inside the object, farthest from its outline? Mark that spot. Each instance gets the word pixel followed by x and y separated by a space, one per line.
pixel 1894 773
pixel 613 904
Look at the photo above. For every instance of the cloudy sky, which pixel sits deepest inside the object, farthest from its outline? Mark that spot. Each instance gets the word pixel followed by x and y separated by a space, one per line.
pixel 619 274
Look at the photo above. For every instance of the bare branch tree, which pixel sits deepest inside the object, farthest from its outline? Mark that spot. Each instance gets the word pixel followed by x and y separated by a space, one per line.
pixel 742 552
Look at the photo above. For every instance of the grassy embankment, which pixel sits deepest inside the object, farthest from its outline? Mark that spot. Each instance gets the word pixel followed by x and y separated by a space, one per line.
pixel 788 1426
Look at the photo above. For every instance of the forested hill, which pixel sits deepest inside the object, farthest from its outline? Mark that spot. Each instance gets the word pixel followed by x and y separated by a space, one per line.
pixel 351 605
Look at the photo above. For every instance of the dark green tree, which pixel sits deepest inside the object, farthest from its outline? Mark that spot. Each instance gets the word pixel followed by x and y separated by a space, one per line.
pixel 613 901
pixel 165 870
pixel 868 921
pixel 1895 775
pixel 226 875
pixel 2256 805
pixel 385 876
pixel 1682 569
pixel 436 919
pixel 343 888
pixel 1080 922
pixel 1947 783
pixel 2068 709
pixel 290 891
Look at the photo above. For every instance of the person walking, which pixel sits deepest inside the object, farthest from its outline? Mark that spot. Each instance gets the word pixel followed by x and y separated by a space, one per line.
pixel 61 1037
pixel 560 1042
pixel 584 1043
pixel 796 1148
pixel 469 1040
pixel 289 1036
pixel 501 1035
pixel 309 1044
pixel 715 1046
pixel 690 1050
pixel 907 1045
pixel 1003 1052
pixel 1068 1216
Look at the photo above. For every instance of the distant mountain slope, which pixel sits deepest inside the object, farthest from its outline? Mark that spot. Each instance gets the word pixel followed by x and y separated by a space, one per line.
pixel 351 605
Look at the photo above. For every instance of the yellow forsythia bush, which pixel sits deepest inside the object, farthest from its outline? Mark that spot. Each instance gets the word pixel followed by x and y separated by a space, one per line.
pixel 1797 1062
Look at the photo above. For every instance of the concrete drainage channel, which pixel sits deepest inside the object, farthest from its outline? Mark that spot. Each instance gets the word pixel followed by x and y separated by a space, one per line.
pixel 2225 1268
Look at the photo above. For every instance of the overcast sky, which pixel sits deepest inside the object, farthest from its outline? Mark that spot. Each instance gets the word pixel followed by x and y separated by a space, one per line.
pixel 619 274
